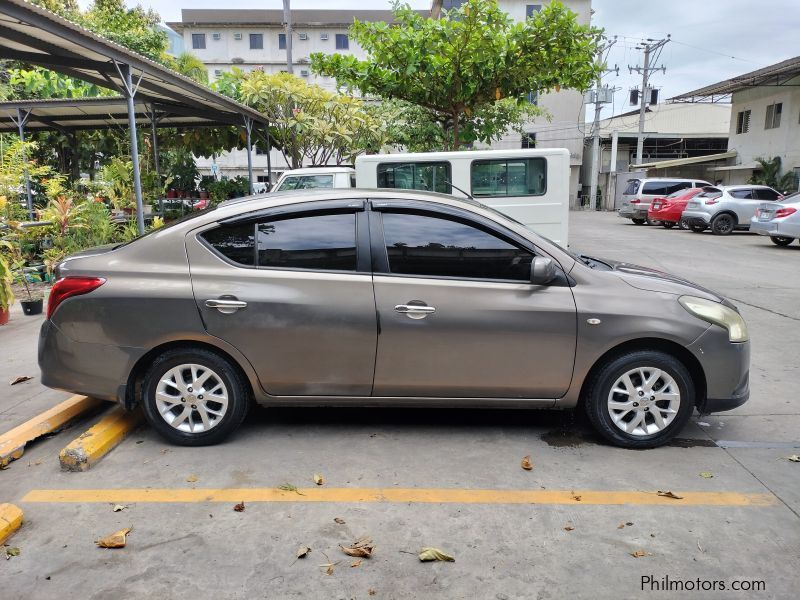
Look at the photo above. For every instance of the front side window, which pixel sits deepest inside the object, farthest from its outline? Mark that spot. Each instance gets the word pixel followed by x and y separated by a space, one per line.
pixel 199 41
pixel 509 177
pixel 429 176
pixel 306 182
pixel 318 242
pixel 342 41
pixel 234 242
pixel 766 194
pixel 256 41
pixel 743 194
pixel 433 246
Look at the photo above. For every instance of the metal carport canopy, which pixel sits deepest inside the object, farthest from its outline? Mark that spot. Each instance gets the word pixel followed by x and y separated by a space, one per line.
pixel 36 36
pixel 676 162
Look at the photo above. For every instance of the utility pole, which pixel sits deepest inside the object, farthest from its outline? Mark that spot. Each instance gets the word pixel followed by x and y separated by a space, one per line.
pixel 287 23
pixel 599 96
pixel 649 47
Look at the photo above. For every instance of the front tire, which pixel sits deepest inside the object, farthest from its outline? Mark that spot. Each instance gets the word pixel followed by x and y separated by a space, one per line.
pixel 723 224
pixel 780 240
pixel 641 399
pixel 194 397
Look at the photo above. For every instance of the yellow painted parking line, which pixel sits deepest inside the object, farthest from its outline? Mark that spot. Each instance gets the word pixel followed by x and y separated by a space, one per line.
pixel 399 495
pixel 102 437
pixel 10 521
pixel 12 443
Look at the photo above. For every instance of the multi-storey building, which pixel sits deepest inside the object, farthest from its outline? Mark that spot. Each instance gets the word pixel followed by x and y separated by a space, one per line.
pixel 256 39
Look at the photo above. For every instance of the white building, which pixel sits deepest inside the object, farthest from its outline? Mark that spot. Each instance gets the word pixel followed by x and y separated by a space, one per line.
pixel 255 39
pixel 765 118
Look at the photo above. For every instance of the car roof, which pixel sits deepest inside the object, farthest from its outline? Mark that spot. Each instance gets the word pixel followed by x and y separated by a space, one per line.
pixel 742 186
pixel 318 171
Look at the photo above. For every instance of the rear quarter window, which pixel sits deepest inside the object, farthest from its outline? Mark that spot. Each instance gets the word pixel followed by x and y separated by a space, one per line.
pixel 633 187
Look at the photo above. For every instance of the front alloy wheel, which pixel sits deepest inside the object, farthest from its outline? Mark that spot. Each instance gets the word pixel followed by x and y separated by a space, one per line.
pixel 644 401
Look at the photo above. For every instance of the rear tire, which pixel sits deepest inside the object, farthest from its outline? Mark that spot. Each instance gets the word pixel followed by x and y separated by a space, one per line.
pixel 697 228
pixel 641 399
pixel 723 224
pixel 780 240
pixel 639 221
pixel 194 397
pixel 668 224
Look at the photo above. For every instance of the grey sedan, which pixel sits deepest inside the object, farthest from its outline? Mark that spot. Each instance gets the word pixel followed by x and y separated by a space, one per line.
pixel 780 221
pixel 384 298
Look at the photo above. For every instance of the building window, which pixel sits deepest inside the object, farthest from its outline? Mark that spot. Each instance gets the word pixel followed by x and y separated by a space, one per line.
pixel 533 98
pixel 528 140
pixel 342 41
pixel 451 4
pixel 256 41
pixel 532 9
pixel 199 41
pixel 773 115
pixel 743 121
pixel 281 41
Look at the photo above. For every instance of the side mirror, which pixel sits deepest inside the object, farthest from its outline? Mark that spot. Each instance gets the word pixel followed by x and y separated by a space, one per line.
pixel 543 270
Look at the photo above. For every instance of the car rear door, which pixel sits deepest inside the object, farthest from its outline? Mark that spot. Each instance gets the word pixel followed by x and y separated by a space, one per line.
pixel 744 205
pixel 291 288
pixel 458 315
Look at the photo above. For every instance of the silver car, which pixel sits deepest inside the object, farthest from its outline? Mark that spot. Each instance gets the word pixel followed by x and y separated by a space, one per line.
pixel 384 298
pixel 779 220
pixel 726 208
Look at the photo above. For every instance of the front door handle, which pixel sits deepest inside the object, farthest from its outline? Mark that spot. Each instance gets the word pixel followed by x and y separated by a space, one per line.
pixel 226 306
pixel 415 309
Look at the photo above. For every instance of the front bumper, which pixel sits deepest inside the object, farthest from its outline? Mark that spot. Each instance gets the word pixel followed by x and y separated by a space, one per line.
pixel 727 369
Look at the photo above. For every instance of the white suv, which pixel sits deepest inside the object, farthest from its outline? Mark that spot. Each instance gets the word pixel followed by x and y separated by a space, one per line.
pixel 725 208
pixel 640 192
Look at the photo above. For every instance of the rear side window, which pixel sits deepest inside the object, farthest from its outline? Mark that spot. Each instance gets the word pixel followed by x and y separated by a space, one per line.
pixel 306 182
pixel 234 242
pixel 429 176
pixel 432 246
pixel 633 187
pixel 664 188
pixel 509 177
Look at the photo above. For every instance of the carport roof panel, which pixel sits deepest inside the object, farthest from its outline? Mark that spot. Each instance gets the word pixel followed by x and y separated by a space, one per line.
pixel 677 162
pixel 31 34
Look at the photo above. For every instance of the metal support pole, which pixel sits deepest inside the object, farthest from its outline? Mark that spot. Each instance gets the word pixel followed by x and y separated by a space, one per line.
pixel 22 119
pixel 130 91
pixel 595 151
pixel 643 106
pixel 248 127
pixel 612 172
pixel 269 160
pixel 154 136
pixel 287 18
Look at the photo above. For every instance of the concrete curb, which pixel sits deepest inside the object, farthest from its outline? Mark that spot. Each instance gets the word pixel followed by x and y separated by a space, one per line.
pixel 10 520
pixel 102 437
pixel 12 443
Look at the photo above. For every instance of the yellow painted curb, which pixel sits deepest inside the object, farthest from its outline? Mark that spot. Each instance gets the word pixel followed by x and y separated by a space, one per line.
pixel 10 520
pixel 12 443
pixel 102 437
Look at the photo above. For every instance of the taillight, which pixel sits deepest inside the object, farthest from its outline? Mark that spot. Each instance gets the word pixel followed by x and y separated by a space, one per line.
pixel 784 212
pixel 635 201
pixel 70 286
pixel 712 201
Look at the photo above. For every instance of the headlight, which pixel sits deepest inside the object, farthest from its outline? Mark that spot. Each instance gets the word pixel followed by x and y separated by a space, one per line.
pixel 717 314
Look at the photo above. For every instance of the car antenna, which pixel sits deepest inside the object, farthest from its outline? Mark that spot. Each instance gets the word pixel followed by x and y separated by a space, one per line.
pixel 450 183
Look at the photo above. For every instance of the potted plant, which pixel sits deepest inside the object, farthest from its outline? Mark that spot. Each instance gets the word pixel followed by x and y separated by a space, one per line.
pixel 6 293
pixel 33 303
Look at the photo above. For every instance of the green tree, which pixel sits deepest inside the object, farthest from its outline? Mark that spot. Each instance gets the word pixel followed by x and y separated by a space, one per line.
pixel 458 66
pixel 188 64
pixel 135 28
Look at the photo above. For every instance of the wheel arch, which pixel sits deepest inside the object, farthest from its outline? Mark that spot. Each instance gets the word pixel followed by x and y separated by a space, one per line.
pixel 726 211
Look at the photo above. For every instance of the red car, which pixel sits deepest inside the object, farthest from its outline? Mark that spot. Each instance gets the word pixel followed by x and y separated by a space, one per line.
pixel 668 210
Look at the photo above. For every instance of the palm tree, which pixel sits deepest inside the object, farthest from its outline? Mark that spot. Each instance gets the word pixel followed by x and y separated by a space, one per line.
pixel 769 174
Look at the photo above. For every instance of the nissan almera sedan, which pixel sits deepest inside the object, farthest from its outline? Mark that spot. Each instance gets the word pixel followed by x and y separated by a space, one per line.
pixel 384 298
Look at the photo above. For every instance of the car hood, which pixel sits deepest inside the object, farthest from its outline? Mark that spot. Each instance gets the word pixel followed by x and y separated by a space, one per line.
pixel 653 280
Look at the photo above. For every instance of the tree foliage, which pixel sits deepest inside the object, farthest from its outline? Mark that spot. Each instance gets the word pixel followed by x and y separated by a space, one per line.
pixel 458 66
pixel 770 174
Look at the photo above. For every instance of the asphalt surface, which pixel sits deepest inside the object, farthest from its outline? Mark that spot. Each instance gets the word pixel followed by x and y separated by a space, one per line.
pixel 205 549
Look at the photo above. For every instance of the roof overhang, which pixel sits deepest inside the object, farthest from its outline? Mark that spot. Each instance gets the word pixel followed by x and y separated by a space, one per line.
pixel 751 166
pixel 677 162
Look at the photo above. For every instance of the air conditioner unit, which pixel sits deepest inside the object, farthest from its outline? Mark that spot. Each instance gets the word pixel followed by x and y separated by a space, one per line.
pixel 216 36
pixel 237 36
pixel 303 72
pixel 237 60
pixel 302 36
pixel 217 72
pixel 323 36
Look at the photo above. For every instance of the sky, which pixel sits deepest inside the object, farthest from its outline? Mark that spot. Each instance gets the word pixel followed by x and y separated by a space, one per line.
pixel 712 40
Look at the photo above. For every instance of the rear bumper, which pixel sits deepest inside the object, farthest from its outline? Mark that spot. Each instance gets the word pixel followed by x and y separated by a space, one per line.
pixel 727 369
pixel 696 217
pixel 775 228
pixel 635 211
pixel 670 216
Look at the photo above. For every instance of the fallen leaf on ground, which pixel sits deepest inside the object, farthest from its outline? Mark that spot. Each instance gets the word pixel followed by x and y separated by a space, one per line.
pixel 640 554
pixel 20 379
pixel 119 507
pixel 339 521
pixel 164 450
pixel 526 463
pixel 239 507
pixel 428 554
pixel 621 526
pixel 576 497
pixel 356 563
pixel 668 494
pixel 359 549
pixel 11 551
pixel 629 524
pixel 569 528
pixel 793 457
pixel 118 539
pixel 303 551
pixel 371 592
pixel 191 479
pixel 288 487
pixel 329 568
pixel 318 479
pixel 706 474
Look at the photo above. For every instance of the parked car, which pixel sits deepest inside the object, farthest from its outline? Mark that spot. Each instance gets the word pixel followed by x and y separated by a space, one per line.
pixel 640 192
pixel 669 210
pixel 380 298
pixel 779 220
pixel 726 208
pixel 316 177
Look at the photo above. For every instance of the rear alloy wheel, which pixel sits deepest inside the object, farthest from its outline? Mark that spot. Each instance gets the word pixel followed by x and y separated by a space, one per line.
pixel 668 224
pixel 641 399
pixel 723 224
pixel 780 240
pixel 638 221
pixel 194 397
pixel 682 224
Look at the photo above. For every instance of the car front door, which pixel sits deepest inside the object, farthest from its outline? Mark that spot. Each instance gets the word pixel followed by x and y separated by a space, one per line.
pixel 458 316
pixel 291 288
pixel 745 205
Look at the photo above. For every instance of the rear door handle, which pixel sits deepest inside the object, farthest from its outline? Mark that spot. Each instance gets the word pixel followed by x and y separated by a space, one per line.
pixel 225 306
pixel 415 311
